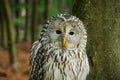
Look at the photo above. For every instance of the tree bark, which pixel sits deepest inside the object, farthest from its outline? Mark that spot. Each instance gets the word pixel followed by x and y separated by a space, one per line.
pixel 35 18
pixel 102 20
pixel 10 33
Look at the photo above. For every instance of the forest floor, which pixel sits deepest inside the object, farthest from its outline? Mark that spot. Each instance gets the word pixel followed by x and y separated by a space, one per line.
pixel 22 71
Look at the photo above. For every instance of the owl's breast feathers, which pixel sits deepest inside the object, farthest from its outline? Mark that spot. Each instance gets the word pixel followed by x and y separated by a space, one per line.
pixel 47 63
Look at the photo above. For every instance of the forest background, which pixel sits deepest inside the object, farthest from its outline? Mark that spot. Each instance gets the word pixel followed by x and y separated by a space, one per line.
pixel 21 22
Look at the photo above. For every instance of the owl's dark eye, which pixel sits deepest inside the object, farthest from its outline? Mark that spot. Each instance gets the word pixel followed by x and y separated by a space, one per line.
pixel 58 31
pixel 71 33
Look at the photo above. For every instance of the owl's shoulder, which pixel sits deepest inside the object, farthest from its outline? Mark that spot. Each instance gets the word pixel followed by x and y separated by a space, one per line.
pixel 35 58
pixel 34 51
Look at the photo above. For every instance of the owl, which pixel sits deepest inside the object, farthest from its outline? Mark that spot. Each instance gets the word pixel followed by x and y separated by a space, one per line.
pixel 60 51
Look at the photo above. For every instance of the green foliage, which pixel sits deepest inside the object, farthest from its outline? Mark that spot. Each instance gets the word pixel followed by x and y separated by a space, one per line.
pixel 17 21
pixel 9 42
pixel 20 6
pixel 42 6
pixel 69 2
pixel 16 7
pixel 54 8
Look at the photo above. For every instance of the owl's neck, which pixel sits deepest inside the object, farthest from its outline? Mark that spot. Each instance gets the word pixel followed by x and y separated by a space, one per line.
pixel 59 54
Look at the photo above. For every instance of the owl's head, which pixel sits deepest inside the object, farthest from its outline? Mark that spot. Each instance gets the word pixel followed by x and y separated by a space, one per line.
pixel 65 31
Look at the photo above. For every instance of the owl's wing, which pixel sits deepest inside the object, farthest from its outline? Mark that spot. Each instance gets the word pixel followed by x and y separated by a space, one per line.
pixel 34 52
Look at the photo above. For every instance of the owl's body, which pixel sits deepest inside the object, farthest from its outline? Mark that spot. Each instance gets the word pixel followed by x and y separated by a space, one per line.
pixel 60 52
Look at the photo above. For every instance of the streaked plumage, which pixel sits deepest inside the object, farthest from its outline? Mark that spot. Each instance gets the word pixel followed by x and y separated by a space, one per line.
pixel 60 52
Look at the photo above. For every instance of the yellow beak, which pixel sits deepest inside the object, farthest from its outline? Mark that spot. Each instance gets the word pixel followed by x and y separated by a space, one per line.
pixel 63 42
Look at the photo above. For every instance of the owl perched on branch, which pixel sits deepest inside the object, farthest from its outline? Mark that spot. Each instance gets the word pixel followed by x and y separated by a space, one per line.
pixel 60 52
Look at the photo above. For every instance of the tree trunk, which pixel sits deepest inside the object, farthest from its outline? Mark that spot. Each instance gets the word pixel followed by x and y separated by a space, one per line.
pixel 102 20
pixel 3 38
pixel 10 33
pixel 4 33
pixel 1 28
pixel 17 26
pixel 62 6
pixel 0 35
pixel 47 9
pixel 26 32
pixel 35 18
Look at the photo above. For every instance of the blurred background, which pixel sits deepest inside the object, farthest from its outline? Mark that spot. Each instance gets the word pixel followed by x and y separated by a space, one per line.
pixel 20 23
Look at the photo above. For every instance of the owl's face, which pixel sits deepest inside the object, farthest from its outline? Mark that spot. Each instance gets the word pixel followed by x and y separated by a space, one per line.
pixel 64 34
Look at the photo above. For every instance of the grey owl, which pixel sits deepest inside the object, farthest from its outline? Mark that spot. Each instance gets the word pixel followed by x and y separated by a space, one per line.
pixel 60 52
